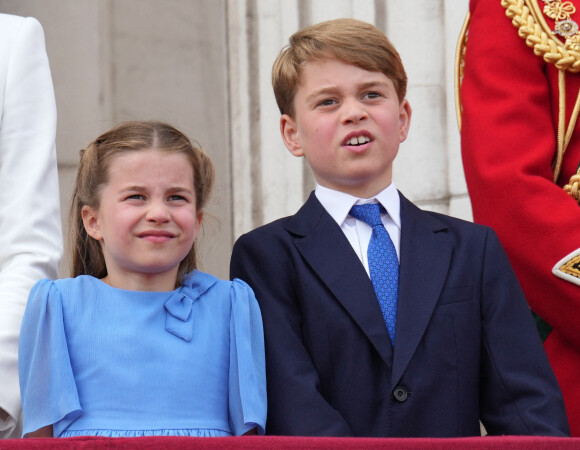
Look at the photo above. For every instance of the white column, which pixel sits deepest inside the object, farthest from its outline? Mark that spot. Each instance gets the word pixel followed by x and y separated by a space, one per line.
pixel 420 170
pixel 333 9
pixel 459 204
pixel 267 179
pixel 281 172
pixel 240 121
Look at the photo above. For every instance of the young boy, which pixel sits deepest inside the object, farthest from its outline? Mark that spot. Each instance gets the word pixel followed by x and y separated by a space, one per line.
pixel 448 340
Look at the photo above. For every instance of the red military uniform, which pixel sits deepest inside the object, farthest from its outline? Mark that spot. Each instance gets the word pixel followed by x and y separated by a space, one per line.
pixel 519 85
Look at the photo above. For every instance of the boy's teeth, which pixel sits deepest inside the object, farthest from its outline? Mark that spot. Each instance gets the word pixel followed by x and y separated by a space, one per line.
pixel 358 140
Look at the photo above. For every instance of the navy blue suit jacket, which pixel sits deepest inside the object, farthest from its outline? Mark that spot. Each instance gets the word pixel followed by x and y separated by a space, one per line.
pixel 467 348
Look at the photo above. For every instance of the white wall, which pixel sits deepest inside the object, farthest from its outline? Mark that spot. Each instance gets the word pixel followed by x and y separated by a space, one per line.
pixel 204 65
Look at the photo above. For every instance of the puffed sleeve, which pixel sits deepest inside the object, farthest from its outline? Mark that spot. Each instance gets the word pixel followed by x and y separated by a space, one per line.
pixel 47 385
pixel 247 378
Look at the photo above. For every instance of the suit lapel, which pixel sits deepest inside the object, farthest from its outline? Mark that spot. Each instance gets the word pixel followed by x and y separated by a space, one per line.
pixel 324 247
pixel 425 259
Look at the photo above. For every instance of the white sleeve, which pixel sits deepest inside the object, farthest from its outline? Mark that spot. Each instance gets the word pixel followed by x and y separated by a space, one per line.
pixel 30 228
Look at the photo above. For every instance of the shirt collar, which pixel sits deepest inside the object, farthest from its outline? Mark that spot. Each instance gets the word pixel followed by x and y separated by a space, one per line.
pixel 338 204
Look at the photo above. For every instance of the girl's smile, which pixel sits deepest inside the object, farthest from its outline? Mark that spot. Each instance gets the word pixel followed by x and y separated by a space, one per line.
pixel 156 236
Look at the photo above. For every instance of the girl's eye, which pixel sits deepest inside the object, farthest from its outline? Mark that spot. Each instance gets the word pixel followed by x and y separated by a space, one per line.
pixel 136 197
pixel 176 198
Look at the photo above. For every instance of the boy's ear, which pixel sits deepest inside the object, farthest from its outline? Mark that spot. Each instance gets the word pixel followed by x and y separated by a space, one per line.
pixel 91 223
pixel 291 135
pixel 404 119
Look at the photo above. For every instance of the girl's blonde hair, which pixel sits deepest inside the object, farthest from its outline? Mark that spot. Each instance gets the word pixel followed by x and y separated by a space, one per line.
pixel 87 256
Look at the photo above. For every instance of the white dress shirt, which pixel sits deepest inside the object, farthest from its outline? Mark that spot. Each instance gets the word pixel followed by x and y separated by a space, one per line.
pixel 358 233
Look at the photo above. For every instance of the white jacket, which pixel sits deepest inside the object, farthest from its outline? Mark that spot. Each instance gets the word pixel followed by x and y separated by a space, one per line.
pixel 30 227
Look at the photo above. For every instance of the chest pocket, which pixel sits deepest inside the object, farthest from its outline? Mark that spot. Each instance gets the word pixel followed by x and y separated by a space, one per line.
pixel 456 294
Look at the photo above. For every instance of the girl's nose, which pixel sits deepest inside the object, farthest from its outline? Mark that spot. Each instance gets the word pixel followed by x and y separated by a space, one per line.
pixel 158 212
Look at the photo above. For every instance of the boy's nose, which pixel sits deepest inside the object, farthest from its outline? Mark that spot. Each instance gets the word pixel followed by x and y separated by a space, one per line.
pixel 354 112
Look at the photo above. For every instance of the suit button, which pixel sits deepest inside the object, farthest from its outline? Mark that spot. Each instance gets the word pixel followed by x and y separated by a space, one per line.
pixel 400 394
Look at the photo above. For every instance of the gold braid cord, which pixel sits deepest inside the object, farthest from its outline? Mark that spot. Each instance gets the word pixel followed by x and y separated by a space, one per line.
pixel 573 186
pixel 527 17
pixel 529 20
pixel 459 68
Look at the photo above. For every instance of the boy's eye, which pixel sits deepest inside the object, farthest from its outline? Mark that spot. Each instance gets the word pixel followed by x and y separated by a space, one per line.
pixel 327 102
pixel 372 95
pixel 176 198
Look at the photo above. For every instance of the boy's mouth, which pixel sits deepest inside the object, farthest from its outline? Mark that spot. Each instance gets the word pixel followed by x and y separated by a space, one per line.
pixel 358 140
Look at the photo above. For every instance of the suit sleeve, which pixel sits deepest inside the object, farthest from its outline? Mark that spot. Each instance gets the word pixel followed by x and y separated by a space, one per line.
pixel 295 403
pixel 29 196
pixel 519 392
pixel 510 104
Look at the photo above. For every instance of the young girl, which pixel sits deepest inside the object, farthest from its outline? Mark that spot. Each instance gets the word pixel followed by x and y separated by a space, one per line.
pixel 139 343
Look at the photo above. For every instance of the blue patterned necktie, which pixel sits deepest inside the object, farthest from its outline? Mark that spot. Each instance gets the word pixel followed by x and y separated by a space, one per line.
pixel 383 263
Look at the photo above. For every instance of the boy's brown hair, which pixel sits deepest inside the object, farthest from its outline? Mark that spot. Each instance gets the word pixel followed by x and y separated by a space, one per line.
pixel 93 173
pixel 348 40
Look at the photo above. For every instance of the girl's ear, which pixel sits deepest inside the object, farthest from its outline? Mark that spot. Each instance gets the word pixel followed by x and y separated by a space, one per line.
pixel 291 135
pixel 198 222
pixel 91 222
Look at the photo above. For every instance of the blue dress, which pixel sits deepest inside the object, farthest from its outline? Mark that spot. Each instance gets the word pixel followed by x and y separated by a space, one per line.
pixel 100 361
